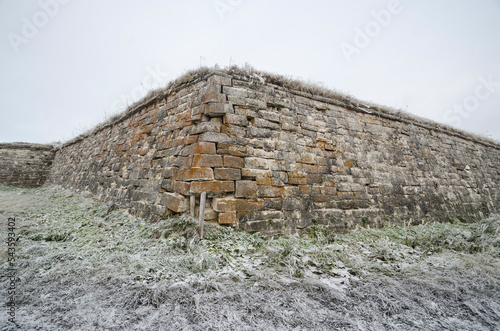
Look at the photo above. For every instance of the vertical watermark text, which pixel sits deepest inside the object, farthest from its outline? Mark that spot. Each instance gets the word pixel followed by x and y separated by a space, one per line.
pixel 11 270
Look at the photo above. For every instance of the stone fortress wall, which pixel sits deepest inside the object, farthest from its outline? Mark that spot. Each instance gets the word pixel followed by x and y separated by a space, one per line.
pixel 276 157
pixel 25 165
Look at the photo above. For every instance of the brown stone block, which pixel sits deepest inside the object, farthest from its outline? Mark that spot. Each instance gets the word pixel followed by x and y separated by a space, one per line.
pixel 203 148
pixel 243 205
pixel 175 202
pixel 227 186
pixel 228 218
pixel 296 180
pixel 224 204
pixel 233 162
pixel 212 187
pixel 198 174
pixel 205 160
pixel 246 189
pixel 181 187
pixel 256 173
pixel 227 173
pixel 189 140
pixel 230 149
pixel 263 181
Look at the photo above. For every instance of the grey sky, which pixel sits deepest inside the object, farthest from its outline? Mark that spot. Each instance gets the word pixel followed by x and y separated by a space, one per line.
pixel 86 60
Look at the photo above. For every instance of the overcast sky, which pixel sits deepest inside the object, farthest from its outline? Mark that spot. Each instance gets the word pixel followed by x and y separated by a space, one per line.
pixel 67 64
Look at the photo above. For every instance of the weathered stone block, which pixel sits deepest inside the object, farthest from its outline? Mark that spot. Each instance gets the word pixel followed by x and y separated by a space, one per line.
pixel 256 163
pixel 246 189
pixel 213 96
pixel 259 132
pixel 234 130
pixel 206 160
pixel 212 187
pixel 243 205
pixel 227 173
pixel 256 172
pixel 198 174
pixel 224 204
pixel 228 218
pixel 265 191
pixel 233 162
pixel 215 137
pixel 262 123
pixel 270 115
pixel 234 91
pixel 218 109
pixel 219 80
pixel 235 119
pixel 175 202
pixel 206 127
pixel 181 187
pixel 203 148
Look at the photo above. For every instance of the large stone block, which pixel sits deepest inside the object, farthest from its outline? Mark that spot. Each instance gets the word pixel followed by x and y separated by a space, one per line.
pixel 218 109
pixel 228 218
pixel 246 189
pixel 235 119
pixel 215 137
pixel 206 160
pixel 234 162
pixel 206 127
pixel 198 174
pixel 175 202
pixel 203 148
pixel 227 173
pixel 244 205
pixel 219 80
pixel 212 187
pixel 213 96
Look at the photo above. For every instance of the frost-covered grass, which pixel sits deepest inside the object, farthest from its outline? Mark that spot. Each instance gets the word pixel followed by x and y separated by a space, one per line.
pixel 83 266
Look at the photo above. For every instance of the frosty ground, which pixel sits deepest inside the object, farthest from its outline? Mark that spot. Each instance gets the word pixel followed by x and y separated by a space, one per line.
pixel 83 265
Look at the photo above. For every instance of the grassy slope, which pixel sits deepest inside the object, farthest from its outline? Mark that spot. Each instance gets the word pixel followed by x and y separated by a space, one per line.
pixel 82 266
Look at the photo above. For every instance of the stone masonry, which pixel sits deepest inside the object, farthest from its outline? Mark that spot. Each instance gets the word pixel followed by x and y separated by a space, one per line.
pixel 25 165
pixel 276 160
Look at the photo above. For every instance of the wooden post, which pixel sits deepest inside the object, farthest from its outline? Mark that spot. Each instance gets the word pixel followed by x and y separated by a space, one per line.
pixel 201 218
pixel 192 201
